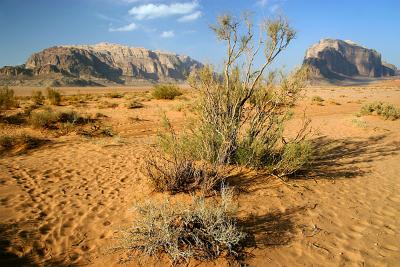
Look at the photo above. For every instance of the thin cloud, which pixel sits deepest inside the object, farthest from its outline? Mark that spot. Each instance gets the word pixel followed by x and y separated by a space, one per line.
pixel 153 11
pixel 107 18
pixel 127 28
pixel 262 2
pixel 274 8
pixel 190 17
pixel 167 34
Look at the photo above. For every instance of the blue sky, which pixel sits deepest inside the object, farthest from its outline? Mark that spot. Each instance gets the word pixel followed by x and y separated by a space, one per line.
pixel 182 26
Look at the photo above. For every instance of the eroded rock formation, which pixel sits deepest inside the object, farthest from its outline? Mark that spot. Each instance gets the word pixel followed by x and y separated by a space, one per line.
pixel 337 59
pixel 102 63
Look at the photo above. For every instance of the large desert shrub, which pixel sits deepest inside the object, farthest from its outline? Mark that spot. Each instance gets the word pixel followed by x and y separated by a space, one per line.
pixel 203 229
pixel 386 110
pixel 242 111
pixel 53 96
pixel 7 98
pixel 166 91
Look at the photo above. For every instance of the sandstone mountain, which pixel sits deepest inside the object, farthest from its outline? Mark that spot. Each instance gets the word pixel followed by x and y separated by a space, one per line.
pixel 99 64
pixel 338 60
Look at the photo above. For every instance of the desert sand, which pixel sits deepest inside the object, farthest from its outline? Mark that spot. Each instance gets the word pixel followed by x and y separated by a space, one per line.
pixel 62 204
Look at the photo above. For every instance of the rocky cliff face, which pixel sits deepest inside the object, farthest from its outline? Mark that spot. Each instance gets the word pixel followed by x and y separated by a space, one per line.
pixel 104 63
pixel 337 59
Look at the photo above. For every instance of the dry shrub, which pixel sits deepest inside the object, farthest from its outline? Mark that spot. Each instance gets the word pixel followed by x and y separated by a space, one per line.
pixel 96 130
pixel 115 95
pixel 202 230
pixel 53 96
pixel 172 167
pixel 37 98
pixel 7 99
pixel 134 104
pixel 19 143
pixel 50 119
pixel 166 91
pixel 106 104
pixel 385 110
pixel 178 174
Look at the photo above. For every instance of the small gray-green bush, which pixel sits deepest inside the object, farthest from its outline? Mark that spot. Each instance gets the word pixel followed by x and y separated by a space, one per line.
pixel 385 110
pixel 166 91
pixel 317 99
pixel 202 230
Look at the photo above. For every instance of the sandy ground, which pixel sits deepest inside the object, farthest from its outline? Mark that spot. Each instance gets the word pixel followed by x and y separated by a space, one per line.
pixel 61 204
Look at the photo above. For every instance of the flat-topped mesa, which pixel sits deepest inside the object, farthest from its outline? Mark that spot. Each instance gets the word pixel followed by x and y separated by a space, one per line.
pixel 337 59
pixel 106 62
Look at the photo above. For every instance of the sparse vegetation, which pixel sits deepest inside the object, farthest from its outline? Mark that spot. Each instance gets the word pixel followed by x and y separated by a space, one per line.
pixel 166 91
pixel 385 110
pixel 106 104
pixel 317 100
pixel 50 119
pixel 19 143
pixel 360 123
pixel 134 104
pixel 53 96
pixel 37 98
pixel 203 230
pixel 7 99
pixel 115 95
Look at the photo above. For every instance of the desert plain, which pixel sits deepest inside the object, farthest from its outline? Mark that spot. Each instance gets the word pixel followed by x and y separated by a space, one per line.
pixel 63 202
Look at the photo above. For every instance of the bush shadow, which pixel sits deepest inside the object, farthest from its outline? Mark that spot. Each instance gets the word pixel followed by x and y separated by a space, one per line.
pixel 272 229
pixel 347 158
pixel 24 238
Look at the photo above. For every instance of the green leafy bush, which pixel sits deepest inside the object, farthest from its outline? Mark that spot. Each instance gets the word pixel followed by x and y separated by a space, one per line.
pixel 166 91
pixel 202 230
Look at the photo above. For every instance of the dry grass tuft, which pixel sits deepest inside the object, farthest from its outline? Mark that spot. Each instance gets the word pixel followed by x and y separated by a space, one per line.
pixel 53 96
pixel 202 230
pixel 7 99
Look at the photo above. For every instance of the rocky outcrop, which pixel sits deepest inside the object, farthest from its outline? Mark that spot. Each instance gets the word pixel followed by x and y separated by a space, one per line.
pixel 337 59
pixel 103 63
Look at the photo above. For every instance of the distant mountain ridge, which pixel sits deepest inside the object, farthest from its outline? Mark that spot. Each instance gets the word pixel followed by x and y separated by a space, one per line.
pixel 338 60
pixel 99 64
